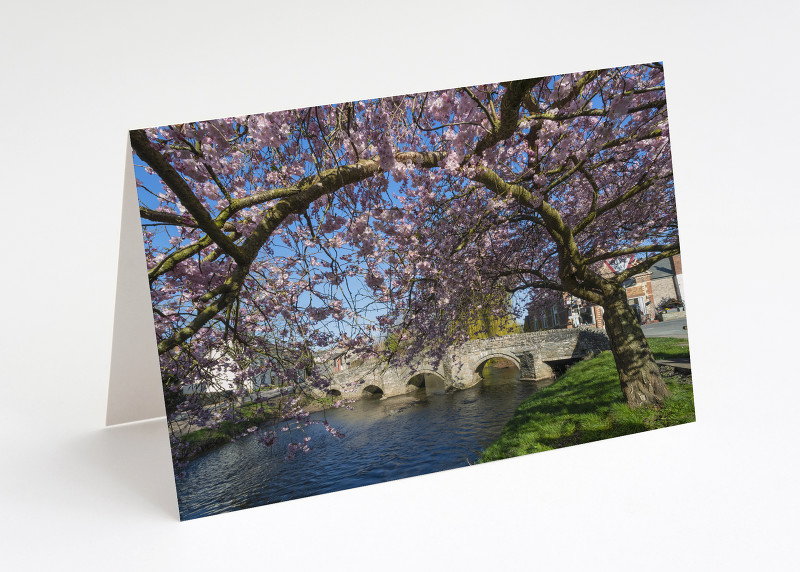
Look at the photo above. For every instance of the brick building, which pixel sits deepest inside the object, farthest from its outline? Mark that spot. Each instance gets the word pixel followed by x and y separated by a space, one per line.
pixel 660 285
pixel 568 313
pixel 647 292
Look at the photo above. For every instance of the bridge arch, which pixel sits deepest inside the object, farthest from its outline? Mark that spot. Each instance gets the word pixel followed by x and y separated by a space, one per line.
pixel 478 364
pixel 372 390
pixel 428 379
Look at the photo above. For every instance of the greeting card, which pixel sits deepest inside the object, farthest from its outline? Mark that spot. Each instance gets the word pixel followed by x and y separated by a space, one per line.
pixel 358 292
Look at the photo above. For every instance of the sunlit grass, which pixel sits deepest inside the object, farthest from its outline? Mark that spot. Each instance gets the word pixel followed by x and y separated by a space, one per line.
pixel 209 437
pixel 586 404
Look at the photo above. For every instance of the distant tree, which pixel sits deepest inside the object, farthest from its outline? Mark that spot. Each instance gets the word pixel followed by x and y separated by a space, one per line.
pixel 489 317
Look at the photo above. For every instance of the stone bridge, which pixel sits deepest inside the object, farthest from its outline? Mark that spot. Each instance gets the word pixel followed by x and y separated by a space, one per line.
pixel 535 354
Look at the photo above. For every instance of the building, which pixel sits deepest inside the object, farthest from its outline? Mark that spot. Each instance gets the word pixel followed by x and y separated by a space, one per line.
pixel 658 287
pixel 570 312
pixel 650 292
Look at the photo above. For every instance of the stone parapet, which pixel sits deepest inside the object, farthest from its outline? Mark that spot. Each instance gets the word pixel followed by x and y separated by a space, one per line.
pixel 667 316
pixel 534 353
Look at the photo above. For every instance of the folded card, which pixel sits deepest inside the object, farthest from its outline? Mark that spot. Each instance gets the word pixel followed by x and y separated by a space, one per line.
pixel 358 292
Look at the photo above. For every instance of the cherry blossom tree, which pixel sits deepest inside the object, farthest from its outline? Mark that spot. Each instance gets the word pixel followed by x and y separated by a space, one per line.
pixel 543 180
pixel 248 249
pixel 272 236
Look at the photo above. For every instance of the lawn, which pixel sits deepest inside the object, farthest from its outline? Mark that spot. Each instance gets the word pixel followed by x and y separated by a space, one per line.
pixel 586 404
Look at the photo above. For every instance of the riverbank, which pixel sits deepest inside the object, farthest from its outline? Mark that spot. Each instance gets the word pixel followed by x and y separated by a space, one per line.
pixel 376 440
pixel 586 404
pixel 205 439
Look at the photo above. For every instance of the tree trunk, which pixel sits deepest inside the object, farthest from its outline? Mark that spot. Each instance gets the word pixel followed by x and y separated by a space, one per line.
pixel 639 374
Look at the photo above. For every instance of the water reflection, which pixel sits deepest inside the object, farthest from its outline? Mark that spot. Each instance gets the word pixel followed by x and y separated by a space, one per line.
pixel 385 439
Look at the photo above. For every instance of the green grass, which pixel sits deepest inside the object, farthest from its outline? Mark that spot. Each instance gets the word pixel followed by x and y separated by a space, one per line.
pixel 586 404
pixel 209 437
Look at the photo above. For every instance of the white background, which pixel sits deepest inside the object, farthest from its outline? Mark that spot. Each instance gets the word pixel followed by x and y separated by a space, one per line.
pixel 719 494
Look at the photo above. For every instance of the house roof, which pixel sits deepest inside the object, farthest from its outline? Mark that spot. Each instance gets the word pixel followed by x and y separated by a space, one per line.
pixel 661 269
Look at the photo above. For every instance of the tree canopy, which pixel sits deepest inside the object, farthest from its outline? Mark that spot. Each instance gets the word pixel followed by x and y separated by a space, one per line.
pixel 272 236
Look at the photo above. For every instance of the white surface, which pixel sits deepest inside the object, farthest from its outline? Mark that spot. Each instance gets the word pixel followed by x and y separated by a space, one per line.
pixel 718 494
pixel 134 390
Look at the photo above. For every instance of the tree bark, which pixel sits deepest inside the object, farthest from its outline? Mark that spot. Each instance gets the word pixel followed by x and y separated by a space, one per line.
pixel 639 374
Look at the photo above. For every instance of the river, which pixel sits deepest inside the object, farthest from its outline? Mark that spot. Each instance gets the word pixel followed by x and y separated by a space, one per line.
pixel 385 439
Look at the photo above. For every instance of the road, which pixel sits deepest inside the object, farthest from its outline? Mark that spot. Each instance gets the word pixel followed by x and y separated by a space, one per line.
pixel 670 329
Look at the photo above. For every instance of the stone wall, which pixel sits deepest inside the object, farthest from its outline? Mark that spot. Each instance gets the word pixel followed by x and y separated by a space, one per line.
pixel 393 380
pixel 533 353
pixel 664 289
pixel 673 315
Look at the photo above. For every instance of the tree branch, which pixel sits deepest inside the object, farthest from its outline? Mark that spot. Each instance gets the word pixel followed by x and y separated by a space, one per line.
pixel 171 177
pixel 309 190
pixel 491 117
pixel 635 190
pixel 166 218
pixel 169 262
pixel 509 115
pixel 645 264
pixel 630 250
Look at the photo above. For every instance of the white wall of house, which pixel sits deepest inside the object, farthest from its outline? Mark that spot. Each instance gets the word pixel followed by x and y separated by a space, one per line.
pixel 679 287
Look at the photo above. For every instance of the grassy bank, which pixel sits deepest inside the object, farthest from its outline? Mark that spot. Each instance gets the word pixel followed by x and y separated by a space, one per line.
pixel 208 438
pixel 586 404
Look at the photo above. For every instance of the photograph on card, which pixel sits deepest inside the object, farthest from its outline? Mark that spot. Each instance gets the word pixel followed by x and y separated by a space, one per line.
pixel 353 293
